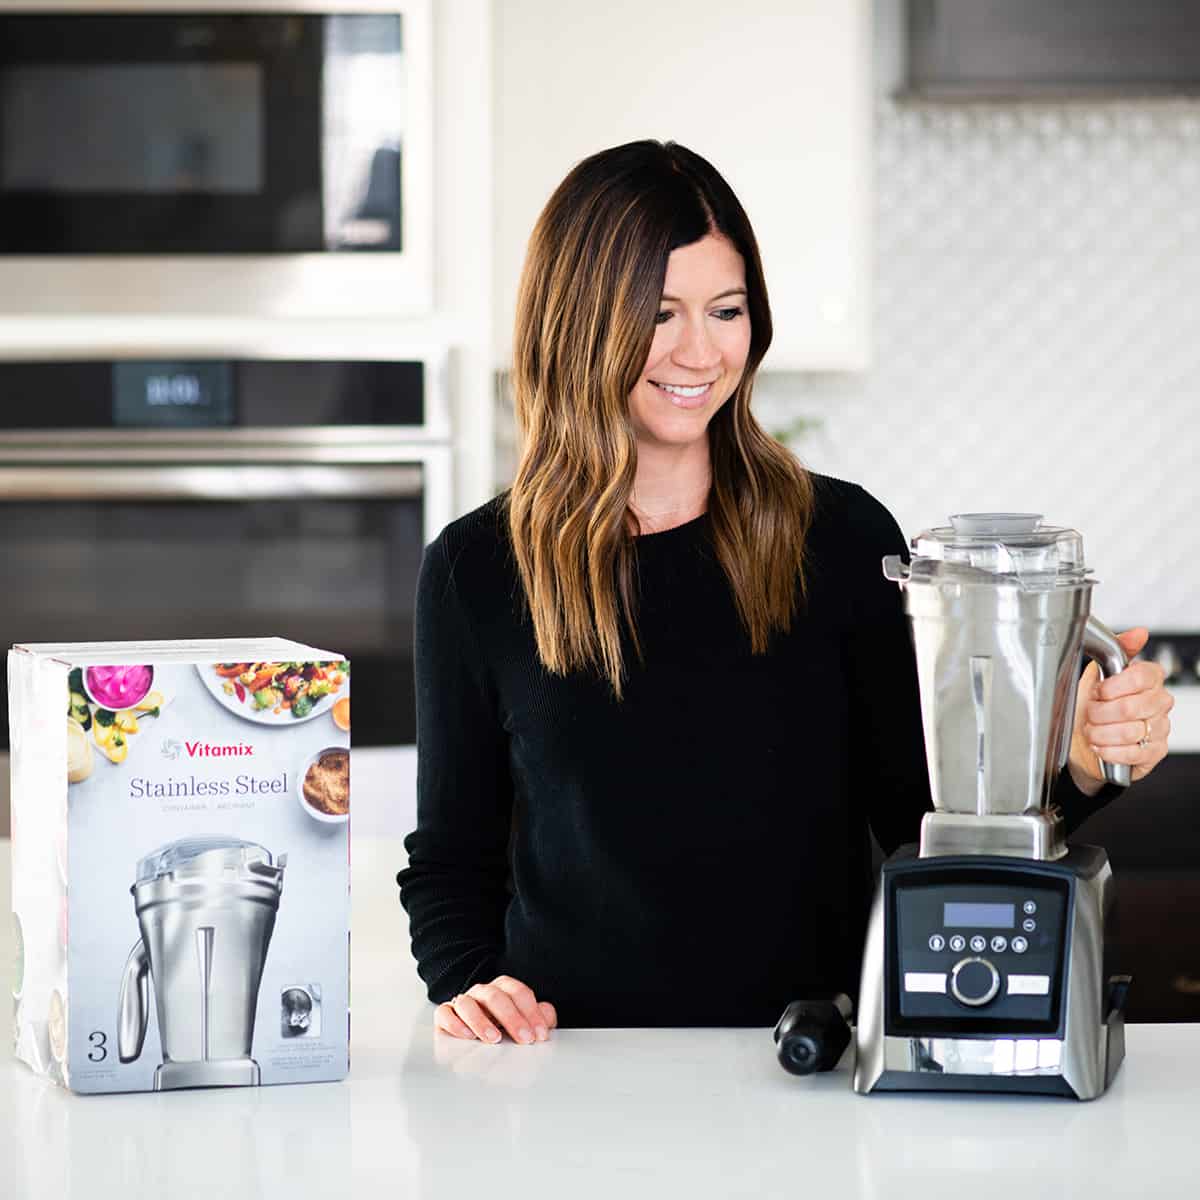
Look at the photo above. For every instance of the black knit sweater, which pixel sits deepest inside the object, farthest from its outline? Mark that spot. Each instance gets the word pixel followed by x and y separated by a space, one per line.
pixel 697 853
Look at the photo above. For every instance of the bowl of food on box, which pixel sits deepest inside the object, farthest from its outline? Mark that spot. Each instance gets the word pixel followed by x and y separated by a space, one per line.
pixel 118 687
pixel 107 704
pixel 277 693
pixel 323 785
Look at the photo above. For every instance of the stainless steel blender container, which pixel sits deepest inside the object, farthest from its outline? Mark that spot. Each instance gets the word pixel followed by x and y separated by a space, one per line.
pixel 206 908
pixel 983 967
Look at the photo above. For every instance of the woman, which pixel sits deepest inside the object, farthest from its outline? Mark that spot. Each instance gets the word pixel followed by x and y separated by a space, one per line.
pixel 663 687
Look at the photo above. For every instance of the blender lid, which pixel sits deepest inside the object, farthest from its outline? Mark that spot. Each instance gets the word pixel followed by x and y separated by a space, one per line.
pixel 203 856
pixel 1005 544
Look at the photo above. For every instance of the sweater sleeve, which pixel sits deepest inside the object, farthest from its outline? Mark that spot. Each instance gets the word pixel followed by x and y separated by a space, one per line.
pixel 1076 806
pixel 888 774
pixel 454 888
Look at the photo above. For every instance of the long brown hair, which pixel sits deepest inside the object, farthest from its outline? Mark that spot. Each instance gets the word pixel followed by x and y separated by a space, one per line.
pixel 586 308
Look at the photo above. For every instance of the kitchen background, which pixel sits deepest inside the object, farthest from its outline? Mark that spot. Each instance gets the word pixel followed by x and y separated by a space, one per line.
pixel 1033 335
pixel 979 305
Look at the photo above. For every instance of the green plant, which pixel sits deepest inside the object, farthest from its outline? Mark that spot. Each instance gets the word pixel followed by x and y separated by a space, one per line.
pixel 796 430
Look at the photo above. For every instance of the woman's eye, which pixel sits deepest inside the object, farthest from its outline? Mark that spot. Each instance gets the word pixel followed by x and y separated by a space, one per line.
pixel 722 314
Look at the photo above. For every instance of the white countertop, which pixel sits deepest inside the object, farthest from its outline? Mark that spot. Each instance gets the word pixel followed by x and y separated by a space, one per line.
pixel 643 1112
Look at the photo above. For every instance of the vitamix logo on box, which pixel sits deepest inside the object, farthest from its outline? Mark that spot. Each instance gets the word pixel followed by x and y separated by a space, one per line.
pixel 206 750
pixel 192 805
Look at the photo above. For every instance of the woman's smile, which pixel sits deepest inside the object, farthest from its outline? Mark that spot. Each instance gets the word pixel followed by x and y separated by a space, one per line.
pixel 685 395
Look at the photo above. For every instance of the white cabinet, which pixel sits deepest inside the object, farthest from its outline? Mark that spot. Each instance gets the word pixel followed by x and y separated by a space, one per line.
pixel 775 93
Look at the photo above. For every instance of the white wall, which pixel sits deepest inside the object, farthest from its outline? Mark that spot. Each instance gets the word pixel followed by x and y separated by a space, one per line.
pixel 573 77
pixel 463 214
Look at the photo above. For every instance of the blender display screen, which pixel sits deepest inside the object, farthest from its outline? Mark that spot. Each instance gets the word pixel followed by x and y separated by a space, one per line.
pixel 980 916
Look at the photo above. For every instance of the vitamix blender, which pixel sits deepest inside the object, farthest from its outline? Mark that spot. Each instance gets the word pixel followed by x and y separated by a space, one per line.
pixel 983 968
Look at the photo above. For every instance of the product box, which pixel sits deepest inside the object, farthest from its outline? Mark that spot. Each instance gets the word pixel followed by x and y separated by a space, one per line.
pixel 180 867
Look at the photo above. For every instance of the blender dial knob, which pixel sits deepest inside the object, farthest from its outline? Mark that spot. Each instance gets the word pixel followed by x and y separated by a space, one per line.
pixel 974 981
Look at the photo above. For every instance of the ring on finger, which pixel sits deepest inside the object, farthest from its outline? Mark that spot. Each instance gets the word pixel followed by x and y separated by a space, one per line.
pixel 1144 740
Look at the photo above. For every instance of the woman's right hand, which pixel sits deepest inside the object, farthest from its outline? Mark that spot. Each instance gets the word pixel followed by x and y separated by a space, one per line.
pixel 486 1008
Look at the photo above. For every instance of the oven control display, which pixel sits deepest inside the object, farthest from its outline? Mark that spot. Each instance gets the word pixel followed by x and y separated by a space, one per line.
pixel 173 395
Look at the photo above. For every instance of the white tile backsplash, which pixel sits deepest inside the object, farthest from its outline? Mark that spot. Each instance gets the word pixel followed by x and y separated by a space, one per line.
pixel 1037 347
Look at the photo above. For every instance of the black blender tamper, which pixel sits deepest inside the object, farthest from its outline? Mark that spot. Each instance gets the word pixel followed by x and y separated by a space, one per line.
pixel 813 1034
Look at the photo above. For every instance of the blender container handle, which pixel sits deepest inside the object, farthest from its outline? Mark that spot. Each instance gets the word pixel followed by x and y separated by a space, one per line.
pixel 896 569
pixel 1101 646
pixel 133 1009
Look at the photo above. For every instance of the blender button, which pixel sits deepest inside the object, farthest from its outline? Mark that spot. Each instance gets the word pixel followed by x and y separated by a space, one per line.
pixel 958 942
pixel 1019 945
pixel 1029 924
pixel 937 942
pixel 978 943
pixel 1029 985
pixel 1030 907
pixel 999 943
pixel 925 981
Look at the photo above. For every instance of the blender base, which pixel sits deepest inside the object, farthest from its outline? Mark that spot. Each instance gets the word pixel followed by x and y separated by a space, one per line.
pixel 216 1072
pixel 1050 1020
pixel 987 1065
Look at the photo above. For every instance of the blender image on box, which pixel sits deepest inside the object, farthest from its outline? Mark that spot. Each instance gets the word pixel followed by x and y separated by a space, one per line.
pixel 206 908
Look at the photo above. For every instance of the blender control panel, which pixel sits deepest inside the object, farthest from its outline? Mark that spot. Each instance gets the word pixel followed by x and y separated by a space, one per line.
pixel 977 951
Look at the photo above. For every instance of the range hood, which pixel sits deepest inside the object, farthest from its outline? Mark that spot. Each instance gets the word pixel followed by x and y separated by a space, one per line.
pixel 1052 49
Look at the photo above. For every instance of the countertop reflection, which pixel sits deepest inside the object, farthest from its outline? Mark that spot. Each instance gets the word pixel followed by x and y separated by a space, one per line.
pixel 701 1112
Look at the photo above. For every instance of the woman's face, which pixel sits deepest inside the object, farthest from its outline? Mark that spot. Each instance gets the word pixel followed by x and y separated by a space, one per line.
pixel 701 340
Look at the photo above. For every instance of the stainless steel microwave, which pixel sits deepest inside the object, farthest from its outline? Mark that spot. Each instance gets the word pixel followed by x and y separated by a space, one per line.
pixel 142 131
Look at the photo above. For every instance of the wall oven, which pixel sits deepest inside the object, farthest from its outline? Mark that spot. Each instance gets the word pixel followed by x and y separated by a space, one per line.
pixel 277 154
pixel 181 496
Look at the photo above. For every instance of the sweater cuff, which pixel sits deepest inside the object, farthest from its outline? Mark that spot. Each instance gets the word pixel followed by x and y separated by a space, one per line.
pixel 455 982
pixel 1075 805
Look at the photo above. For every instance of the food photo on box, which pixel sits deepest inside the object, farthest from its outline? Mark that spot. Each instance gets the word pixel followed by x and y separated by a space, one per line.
pixel 181 863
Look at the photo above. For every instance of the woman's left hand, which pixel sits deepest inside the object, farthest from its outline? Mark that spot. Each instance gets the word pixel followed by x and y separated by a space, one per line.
pixel 1121 719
